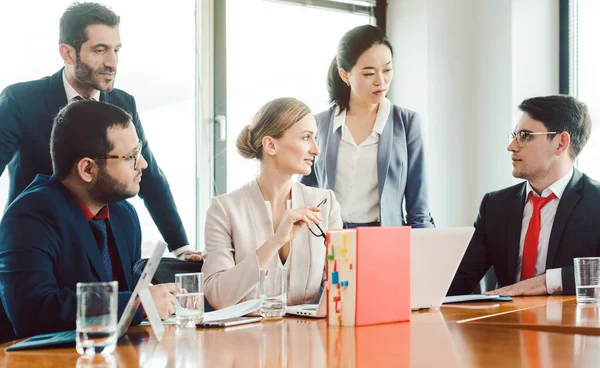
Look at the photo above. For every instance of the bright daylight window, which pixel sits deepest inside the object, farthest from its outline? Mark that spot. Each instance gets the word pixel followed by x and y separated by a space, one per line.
pixel 276 50
pixel 586 84
pixel 157 66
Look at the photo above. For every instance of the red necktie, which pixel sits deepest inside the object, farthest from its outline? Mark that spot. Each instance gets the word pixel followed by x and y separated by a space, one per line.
pixel 533 235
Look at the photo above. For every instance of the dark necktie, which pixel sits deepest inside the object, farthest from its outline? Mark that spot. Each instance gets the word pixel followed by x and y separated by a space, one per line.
pixel 532 236
pixel 101 235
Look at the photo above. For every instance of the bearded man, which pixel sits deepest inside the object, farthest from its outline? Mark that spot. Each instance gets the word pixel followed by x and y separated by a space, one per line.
pixel 89 45
pixel 75 225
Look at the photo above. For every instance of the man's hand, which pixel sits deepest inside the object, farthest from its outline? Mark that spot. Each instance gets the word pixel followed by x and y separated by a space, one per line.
pixel 163 296
pixel 191 255
pixel 533 286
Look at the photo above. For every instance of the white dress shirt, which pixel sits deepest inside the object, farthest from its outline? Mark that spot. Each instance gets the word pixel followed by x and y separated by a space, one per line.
pixel 356 185
pixel 547 214
pixel 72 93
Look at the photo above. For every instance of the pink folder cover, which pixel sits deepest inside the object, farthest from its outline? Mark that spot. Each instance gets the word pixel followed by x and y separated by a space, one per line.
pixel 383 275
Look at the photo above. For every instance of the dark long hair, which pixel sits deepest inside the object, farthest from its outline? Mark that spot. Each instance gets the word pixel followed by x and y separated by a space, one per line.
pixel 354 43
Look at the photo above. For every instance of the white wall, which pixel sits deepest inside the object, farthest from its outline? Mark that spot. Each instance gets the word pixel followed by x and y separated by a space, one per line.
pixel 465 65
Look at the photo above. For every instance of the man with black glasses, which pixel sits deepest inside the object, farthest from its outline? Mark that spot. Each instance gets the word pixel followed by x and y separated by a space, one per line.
pixel 531 232
pixel 89 45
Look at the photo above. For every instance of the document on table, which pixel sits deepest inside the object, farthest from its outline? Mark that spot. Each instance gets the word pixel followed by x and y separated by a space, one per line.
pixel 476 298
pixel 234 311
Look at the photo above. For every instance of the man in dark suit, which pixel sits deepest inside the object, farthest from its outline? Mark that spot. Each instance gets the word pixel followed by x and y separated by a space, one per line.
pixel 531 232
pixel 89 45
pixel 75 226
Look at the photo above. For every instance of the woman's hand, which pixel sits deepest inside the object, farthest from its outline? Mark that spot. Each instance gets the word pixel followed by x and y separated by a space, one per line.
pixel 293 220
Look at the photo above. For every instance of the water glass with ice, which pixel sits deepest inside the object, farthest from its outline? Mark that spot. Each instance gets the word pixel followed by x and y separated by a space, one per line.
pixel 96 317
pixel 587 280
pixel 273 292
pixel 190 299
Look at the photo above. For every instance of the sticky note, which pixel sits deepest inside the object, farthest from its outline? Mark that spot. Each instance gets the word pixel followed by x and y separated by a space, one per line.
pixel 334 278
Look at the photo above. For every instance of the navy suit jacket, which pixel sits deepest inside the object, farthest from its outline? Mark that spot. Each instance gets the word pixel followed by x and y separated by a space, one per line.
pixel 47 247
pixel 496 241
pixel 26 113
pixel 400 167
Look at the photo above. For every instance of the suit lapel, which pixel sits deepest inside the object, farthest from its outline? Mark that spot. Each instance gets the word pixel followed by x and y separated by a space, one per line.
pixel 118 234
pixel 331 152
pixel 514 220
pixel 567 204
pixel 384 150
pixel 300 250
pixel 56 99
pixel 263 224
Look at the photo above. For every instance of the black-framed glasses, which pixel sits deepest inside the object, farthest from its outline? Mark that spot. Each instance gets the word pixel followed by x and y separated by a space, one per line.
pixel 136 156
pixel 524 136
pixel 321 232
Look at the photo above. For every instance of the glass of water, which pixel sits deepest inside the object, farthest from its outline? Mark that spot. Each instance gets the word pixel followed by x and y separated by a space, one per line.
pixel 587 280
pixel 273 292
pixel 190 299
pixel 96 317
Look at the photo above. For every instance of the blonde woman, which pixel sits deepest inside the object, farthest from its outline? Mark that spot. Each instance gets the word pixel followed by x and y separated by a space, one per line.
pixel 272 221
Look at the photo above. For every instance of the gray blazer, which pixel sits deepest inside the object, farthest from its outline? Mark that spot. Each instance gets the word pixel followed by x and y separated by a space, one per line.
pixel 400 167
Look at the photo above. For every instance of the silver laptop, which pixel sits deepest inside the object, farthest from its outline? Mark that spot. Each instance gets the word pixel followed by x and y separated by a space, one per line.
pixel 435 257
pixel 318 310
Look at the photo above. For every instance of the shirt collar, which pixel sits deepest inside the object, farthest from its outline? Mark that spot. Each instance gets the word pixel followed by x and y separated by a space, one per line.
pixel 383 113
pixel 89 215
pixel 71 93
pixel 558 187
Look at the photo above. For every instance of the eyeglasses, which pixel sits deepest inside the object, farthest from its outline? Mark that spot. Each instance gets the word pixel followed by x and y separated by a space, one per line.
pixel 321 232
pixel 136 156
pixel 524 136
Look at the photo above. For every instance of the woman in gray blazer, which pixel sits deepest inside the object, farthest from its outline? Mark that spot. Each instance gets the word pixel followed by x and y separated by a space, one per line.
pixel 270 222
pixel 373 155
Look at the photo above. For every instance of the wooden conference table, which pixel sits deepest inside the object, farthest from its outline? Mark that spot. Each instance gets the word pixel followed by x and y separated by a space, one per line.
pixel 527 332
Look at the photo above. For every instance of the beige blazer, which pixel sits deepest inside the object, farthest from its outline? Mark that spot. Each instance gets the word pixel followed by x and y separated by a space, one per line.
pixel 239 222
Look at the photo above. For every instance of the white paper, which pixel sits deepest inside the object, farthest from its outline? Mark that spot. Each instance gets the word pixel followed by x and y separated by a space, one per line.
pixel 234 311
pixel 470 298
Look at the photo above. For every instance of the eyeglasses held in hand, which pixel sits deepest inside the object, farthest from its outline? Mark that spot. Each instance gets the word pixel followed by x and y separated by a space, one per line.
pixel 321 232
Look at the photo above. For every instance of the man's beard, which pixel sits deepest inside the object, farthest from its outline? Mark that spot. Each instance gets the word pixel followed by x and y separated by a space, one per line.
pixel 88 77
pixel 108 189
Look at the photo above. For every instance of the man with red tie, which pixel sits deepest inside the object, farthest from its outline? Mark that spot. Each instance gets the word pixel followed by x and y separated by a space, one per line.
pixel 531 232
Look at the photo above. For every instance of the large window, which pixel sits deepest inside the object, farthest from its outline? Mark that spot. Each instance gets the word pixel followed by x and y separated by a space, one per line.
pixel 157 66
pixel 274 49
pixel 584 73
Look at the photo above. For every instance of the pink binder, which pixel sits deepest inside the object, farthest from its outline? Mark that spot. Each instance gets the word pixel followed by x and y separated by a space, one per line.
pixel 368 276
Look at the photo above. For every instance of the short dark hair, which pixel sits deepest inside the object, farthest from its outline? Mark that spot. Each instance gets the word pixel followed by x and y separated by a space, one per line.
pixel 352 45
pixel 80 130
pixel 78 17
pixel 561 113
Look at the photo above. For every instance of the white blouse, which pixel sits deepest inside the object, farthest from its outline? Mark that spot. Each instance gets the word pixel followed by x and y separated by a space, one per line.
pixel 356 175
